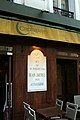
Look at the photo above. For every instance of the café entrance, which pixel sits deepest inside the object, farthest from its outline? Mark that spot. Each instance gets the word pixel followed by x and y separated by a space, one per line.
pixel 67 79
pixel 5 84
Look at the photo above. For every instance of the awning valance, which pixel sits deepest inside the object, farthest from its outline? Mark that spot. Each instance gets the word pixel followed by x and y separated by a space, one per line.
pixel 13 27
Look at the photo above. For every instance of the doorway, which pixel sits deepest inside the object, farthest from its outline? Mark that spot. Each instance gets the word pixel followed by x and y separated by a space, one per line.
pixel 5 87
pixel 66 79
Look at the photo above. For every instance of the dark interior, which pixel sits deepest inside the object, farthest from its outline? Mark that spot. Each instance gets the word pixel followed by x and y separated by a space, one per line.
pixel 4 61
pixel 67 74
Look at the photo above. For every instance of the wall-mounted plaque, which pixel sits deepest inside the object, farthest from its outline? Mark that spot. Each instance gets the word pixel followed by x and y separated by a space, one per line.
pixel 37 77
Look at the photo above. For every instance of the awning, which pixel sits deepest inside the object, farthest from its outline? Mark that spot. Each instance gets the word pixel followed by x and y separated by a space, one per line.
pixel 13 27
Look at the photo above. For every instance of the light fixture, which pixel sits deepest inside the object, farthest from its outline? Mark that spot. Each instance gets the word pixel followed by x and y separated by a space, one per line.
pixel 9 53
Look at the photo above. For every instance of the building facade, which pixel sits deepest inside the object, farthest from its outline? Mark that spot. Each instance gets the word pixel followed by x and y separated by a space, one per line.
pixel 53 29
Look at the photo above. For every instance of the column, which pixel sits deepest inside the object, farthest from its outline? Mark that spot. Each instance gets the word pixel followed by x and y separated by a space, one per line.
pixel 77 9
pixel 49 5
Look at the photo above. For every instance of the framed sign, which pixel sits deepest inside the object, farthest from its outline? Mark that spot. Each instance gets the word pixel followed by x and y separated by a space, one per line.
pixel 37 77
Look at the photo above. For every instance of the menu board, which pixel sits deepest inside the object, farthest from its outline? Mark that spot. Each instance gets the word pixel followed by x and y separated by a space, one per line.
pixel 37 76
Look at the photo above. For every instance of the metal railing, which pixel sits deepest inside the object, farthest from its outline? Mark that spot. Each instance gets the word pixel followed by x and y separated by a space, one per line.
pixel 63 12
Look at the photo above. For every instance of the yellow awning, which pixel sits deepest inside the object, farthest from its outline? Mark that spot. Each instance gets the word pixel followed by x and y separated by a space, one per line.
pixel 13 27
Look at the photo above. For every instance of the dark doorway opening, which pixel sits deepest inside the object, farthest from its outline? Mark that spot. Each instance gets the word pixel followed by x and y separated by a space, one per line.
pixel 66 79
pixel 5 97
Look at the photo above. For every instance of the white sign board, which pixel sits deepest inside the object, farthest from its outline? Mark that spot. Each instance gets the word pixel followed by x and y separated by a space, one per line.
pixel 37 78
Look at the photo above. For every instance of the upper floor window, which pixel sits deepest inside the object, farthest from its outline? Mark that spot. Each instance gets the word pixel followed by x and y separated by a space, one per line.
pixel 63 4
pixel 55 3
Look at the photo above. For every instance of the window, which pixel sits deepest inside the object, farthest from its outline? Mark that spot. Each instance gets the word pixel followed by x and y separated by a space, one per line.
pixel 64 4
pixel 55 3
